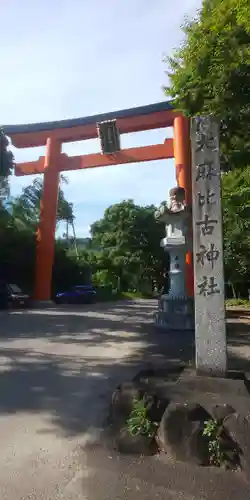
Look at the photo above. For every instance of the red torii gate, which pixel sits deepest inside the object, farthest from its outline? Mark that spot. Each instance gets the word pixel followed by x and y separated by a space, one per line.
pixel 54 134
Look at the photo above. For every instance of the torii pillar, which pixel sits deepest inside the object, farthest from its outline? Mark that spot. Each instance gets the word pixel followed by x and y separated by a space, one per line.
pixel 45 237
pixel 182 155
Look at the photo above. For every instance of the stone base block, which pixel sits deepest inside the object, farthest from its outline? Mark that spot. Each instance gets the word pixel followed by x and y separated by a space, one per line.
pixel 175 313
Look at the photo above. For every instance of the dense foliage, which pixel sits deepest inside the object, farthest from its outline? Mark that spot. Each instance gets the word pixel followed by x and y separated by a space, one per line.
pixel 6 156
pixel 210 73
pixel 17 258
pixel 236 220
pixel 123 253
pixel 26 207
pixel 6 166
pixel 128 254
pixel 18 223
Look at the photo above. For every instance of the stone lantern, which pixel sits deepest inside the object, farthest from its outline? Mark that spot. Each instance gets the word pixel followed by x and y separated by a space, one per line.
pixel 175 309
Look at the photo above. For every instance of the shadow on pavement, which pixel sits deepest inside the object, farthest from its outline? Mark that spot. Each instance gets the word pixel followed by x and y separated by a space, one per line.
pixel 67 361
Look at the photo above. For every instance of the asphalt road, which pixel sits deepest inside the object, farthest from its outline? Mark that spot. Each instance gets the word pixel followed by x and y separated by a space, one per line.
pixel 58 368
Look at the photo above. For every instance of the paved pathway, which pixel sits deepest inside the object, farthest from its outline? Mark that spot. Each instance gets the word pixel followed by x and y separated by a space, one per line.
pixel 58 368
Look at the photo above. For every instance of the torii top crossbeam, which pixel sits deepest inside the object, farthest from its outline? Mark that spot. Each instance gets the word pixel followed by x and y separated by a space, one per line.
pixel 148 117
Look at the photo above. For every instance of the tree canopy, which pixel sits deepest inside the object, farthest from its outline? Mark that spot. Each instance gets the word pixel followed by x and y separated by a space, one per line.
pixel 18 225
pixel 210 73
pixel 236 220
pixel 6 165
pixel 128 242
pixel 124 253
pixel 6 156
pixel 26 207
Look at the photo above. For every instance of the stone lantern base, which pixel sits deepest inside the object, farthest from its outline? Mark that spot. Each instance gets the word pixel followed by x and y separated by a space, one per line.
pixel 175 313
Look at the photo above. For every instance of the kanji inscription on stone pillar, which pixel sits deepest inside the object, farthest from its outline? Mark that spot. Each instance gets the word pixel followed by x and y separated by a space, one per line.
pixel 210 328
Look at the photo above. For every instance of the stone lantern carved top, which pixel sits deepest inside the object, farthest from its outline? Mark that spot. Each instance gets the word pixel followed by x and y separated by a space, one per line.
pixel 174 215
pixel 177 199
pixel 176 204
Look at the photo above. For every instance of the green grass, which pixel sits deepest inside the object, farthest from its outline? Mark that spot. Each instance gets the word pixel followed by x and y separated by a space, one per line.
pixel 108 296
pixel 237 302
pixel 212 430
pixel 136 295
pixel 138 422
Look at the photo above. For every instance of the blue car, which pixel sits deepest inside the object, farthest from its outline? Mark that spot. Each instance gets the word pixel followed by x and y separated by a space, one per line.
pixel 80 294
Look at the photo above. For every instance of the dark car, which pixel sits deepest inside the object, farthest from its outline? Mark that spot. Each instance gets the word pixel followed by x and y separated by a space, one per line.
pixel 12 296
pixel 80 294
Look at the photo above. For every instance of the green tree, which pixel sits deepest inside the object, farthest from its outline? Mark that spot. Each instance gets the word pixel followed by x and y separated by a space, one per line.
pixel 236 219
pixel 128 237
pixel 26 207
pixel 6 166
pixel 17 231
pixel 210 73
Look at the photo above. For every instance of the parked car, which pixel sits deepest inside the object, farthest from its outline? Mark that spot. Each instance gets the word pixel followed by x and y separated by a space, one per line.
pixel 12 296
pixel 80 294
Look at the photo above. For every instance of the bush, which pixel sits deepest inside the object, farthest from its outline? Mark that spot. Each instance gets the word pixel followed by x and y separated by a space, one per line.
pixel 237 302
pixel 17 262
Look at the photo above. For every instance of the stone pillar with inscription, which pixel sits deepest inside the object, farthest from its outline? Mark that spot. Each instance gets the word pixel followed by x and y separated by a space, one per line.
pixel 210 327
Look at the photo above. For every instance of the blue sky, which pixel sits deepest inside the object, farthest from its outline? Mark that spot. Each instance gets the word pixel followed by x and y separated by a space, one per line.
pixel 64 59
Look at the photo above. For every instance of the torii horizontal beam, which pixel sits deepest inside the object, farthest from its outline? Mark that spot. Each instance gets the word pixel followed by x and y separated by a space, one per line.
pixel 131 155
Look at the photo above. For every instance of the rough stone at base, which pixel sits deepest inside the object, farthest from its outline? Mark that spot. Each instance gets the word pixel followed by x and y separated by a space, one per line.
pixel 123 402
pixel 180 432
pixel 238 428
pixel 220 412
pixel 124 442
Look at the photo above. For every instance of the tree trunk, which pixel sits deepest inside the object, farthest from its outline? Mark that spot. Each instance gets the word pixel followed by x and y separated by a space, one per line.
pixel 233 291
pixel 75 244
